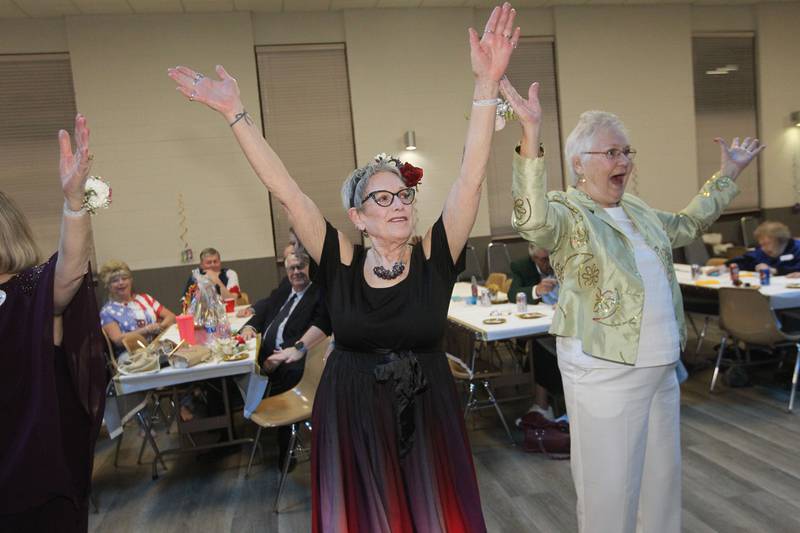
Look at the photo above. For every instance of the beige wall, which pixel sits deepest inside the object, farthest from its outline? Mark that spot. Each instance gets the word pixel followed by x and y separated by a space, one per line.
pixel 409 69
pixel 32 36
pixel 398 83
pixel 643 74
pixel 152 144
pixel 778 44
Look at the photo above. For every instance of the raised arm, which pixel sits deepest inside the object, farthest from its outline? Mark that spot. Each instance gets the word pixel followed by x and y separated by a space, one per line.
pixel 223 96
pixel 536 219
pixel 76 228
pixel 714 196
pixel 489 55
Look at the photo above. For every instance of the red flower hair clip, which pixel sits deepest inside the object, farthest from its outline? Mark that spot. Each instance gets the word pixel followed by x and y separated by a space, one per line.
pixel 411 175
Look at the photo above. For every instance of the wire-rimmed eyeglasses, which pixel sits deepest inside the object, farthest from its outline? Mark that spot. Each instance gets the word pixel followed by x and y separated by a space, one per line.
pixel 613 153
pixel 385 198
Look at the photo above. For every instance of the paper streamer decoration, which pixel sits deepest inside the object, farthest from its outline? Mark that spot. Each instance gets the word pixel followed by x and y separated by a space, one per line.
pixel 187 256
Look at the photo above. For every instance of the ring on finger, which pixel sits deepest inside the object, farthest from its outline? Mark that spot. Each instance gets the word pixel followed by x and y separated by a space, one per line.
pixel 507 36
pixel 192 96
pixel 197 78
pixel 488 31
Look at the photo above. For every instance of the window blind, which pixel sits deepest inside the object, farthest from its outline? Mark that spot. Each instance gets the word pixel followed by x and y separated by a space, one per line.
pixel 305 102
pixel 533 60
pixel 36 100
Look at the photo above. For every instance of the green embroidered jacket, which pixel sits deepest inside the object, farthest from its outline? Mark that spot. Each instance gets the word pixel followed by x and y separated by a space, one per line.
pixel 601 295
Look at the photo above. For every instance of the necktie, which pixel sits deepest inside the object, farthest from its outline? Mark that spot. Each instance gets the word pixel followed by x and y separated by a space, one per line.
pixel 271 334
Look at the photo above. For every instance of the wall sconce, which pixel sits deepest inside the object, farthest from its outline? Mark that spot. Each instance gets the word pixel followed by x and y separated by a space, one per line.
pixel 411 140
pixel 795 118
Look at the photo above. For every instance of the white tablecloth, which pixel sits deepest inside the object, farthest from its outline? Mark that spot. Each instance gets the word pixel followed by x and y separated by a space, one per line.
pixel 472 316
pixel 251 384
pixel 780 296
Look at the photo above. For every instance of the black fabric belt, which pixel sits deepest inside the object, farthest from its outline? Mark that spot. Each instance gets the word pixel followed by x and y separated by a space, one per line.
pixel 403 370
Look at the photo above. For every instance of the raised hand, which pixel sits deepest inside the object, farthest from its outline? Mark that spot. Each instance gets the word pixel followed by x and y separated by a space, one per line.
pixel 490 53
pixel 221 95
pixel 529 112
pixel 74 167
pixel 734 158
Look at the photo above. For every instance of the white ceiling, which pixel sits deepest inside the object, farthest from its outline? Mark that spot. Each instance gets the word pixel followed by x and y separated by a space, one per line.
pixel 59 8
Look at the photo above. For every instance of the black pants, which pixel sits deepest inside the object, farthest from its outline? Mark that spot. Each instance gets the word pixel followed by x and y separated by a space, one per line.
pixel 545 365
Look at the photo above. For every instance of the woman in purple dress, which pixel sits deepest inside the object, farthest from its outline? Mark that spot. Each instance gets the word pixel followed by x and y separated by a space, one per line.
pixel 52 368
pixel 389 450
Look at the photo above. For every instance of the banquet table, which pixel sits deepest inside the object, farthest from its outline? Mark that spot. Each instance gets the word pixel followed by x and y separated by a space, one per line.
pixel 486 336
pixel 245 373
pixel 472 317
pixel 781 293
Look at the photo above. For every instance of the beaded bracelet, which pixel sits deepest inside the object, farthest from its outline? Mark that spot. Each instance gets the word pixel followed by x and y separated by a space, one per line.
pixel 70 213
pixel 489 102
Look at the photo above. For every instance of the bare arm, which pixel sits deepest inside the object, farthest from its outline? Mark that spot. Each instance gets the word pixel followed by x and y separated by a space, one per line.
pixel 223 96
pixel 76 229
pixel 167 318
pixel 714 196
pixel 489 56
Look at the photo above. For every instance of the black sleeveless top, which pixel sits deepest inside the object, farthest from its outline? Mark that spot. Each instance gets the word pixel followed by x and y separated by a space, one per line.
pixel 411 315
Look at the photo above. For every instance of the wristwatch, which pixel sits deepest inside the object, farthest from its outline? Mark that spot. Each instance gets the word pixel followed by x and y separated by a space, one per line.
pixel 300 346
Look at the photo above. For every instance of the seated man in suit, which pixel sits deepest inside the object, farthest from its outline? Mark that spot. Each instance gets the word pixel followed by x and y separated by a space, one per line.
pixel 292 320
pixel 534 277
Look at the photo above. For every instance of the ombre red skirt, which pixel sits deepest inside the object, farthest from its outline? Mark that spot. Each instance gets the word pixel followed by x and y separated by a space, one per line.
pixel 389 448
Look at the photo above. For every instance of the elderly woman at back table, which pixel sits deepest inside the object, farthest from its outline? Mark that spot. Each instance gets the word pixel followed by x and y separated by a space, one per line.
pixel 389 450
pixel 776 250
pixel 127 311
pixel 619 317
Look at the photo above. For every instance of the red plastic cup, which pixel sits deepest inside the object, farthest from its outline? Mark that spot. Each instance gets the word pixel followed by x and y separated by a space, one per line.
pixel 186 328
pixel 230 305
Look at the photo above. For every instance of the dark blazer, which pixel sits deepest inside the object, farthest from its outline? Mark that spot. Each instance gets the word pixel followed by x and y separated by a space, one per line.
pixel 310 311
pixel 524 276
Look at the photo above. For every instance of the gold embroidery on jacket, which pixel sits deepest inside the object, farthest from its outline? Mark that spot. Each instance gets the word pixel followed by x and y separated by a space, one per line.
pixel 579 236
pixel 588 274
pixel 606 304
pixel 522 211
pixel 665 255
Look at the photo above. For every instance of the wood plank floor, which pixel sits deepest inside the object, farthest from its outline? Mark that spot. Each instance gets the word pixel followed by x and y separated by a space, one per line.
pixel 741 473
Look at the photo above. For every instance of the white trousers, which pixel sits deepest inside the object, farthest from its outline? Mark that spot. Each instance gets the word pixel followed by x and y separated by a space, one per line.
pixel 625 447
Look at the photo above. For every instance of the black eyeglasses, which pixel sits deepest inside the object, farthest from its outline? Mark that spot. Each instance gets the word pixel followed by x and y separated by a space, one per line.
pixel 385 198
pixel 613 153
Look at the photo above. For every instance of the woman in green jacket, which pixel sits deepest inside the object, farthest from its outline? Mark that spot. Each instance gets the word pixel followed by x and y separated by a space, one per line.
pixel 619 318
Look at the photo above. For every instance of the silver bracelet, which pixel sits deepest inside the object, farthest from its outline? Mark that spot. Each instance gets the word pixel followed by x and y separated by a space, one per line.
pixel 489 102
pixel 75 214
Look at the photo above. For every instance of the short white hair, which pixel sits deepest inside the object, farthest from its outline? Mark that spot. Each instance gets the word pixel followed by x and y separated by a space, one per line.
pixel 581 138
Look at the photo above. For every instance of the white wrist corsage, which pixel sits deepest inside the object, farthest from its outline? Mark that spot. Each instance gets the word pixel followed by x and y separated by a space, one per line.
pixel 504 113
pixel 97 194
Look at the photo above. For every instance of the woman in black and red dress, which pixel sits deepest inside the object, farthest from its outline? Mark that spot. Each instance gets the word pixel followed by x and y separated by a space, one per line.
pixel 389 451
pixel 52 368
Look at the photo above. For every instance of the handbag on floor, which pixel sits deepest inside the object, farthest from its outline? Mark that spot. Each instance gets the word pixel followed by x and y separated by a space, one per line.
pixel 545 436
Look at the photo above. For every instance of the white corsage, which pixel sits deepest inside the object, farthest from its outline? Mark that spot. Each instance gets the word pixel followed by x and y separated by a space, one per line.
pixel 387 159
pixel 504 113
pixel 96 195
